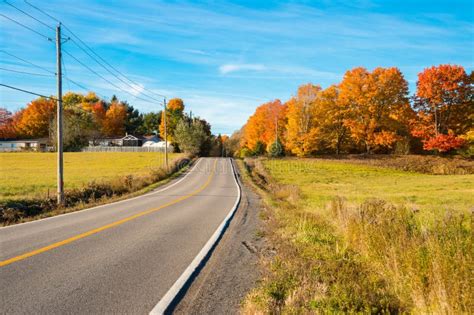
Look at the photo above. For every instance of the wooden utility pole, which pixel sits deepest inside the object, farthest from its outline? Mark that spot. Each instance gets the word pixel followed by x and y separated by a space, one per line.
pixel 166 134
pixel 59 118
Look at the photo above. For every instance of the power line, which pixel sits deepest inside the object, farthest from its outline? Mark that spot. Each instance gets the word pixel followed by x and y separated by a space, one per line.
pixel 102 77
pixel 27 27
pixel 28 62
pixel 92 51
pixel 108 70
pixel 26 91
pixel 27 14
pixel 80 85
pixel 35 7
pixel 25 72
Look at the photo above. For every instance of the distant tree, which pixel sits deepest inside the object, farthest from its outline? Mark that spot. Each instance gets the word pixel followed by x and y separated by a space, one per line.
pixel 174 113
pixel 36 118
pixel 378 101
pixel 232 145
pixel 78 128
pixel 275 149
pixel 331 117
pixel 191 136
pixel 150 123
pixel 302 125
pixel 445 107
pixel 133 121
pixel 114 122
pixel 10 130
pixel 261 126
pixel 258 149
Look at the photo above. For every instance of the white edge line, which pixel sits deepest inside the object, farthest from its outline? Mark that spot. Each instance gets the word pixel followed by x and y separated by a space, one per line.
pixel 104 205
pixel 168 298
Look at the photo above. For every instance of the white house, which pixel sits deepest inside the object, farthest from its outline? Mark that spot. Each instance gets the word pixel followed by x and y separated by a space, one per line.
pixel 24 145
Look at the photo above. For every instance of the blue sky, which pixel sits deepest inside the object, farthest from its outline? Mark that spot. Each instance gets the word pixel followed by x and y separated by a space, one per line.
pixel 226 58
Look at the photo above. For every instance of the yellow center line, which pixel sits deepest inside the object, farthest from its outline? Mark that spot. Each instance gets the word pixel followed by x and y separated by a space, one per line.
pixel 107 226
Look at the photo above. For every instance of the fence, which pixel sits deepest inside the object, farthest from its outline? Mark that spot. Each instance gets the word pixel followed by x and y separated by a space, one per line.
pixel 125 149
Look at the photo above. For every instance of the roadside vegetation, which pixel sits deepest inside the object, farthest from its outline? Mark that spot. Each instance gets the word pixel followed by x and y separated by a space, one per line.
pixel 348 236
pixel 29 187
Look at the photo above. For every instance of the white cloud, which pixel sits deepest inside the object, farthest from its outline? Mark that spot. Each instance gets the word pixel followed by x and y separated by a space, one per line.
pixel 228 68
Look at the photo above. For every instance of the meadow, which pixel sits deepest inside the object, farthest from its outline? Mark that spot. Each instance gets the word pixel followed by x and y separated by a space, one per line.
pixel 31 174
pixel 350 237
pixel 320 181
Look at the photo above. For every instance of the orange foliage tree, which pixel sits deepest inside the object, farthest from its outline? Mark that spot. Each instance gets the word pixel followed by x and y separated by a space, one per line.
pixel 36 118
pixel 114 122
pixel 262 126
pixel 445 108
pixel 378 103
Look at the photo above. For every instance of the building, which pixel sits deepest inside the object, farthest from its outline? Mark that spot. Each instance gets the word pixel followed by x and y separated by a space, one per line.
pixel 40 145
pixel 126 141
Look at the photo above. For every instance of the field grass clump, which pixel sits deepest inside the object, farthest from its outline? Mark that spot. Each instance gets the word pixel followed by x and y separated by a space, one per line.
pixel 345 240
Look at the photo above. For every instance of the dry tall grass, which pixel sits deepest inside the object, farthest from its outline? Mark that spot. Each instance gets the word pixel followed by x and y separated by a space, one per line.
pixel 371 258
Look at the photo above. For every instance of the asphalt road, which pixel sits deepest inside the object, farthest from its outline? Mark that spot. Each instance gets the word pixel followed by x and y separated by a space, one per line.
pixel 118 258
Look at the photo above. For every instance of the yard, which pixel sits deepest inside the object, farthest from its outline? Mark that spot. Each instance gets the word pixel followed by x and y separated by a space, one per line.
pixel 28 175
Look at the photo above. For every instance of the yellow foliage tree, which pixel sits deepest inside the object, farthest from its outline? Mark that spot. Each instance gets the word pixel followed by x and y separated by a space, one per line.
pixel 302 128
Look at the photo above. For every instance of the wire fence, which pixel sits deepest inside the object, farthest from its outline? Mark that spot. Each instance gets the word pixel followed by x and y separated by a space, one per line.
pixel 124 149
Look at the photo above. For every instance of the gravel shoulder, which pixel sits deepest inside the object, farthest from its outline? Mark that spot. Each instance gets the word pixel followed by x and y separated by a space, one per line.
pixel 233 268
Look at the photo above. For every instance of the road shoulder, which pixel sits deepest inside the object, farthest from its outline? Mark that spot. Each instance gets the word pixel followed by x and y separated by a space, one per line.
pixel 233 268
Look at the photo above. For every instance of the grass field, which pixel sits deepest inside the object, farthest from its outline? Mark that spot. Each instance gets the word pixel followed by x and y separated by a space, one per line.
pixel 28 175
pixel 353 238
pixel 321 181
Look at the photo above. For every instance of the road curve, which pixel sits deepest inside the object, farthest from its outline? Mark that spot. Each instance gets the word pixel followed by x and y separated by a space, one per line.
pixel 117 258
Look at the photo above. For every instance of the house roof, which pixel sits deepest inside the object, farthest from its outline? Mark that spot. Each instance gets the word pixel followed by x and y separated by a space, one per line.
pixel 44 140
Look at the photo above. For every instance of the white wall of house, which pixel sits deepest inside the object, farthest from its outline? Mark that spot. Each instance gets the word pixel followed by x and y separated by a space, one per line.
pixel 21 145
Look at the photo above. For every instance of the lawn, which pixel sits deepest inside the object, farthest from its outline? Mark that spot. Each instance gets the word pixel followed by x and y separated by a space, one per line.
pixel 322 180
pixel 32 174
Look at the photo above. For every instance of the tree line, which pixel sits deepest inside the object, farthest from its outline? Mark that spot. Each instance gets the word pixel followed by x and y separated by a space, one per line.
pixel 367 112
pixel 90 118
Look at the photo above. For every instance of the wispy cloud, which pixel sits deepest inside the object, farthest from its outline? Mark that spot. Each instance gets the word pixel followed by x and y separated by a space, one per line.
pixel 228 68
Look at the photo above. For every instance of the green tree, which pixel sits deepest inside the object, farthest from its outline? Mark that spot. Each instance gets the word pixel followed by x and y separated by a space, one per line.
pixel 191 136
pixel 150 123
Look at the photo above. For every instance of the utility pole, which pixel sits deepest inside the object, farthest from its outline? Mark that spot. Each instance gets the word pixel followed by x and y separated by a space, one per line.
pixel 166 134
pixel 59 118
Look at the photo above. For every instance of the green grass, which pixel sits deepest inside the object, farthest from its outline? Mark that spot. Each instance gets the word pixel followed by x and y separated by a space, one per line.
pixel 354 238
pixel 29 175
pixel 322 180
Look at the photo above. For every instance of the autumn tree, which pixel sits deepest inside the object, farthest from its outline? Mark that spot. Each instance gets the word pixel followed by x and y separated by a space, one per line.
pixel 174 113
pixel 267 123
pixel 377 101
pixel 445 108
pixel 302 128
pixel 10 130
pixel 114 122
pixel 36 118
pixel 331 117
